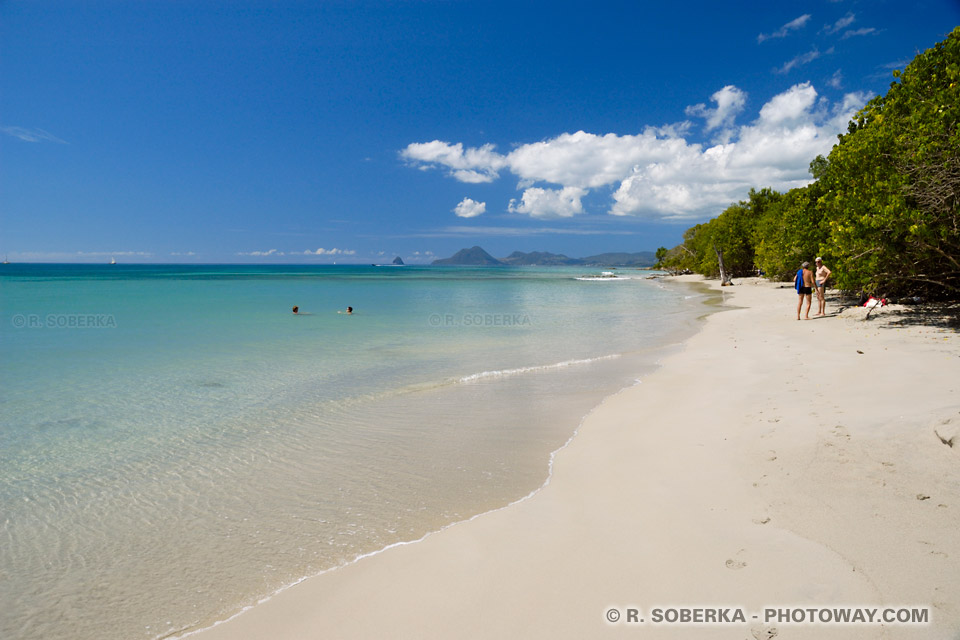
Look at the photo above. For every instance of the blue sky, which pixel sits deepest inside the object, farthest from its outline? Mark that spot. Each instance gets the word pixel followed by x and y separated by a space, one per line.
pixel 214 131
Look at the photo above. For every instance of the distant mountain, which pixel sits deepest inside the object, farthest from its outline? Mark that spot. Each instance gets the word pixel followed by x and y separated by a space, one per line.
pixel 639 259
pixel 471 256
pixel 477 256
pixel 398 260
pixel 539 258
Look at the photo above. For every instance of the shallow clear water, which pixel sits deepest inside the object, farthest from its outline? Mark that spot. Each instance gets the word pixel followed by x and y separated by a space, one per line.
pixel 175 444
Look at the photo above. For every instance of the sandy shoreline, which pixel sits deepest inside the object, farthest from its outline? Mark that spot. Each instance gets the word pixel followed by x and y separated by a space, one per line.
pixel 771 463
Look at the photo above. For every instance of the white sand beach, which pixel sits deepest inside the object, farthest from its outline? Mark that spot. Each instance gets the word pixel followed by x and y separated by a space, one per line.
pixel 769 463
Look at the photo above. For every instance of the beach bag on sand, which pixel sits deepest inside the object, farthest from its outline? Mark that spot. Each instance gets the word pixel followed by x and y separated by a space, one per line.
pixel 798 281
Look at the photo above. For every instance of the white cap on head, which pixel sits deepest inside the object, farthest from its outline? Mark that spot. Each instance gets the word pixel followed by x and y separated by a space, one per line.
pixel 819 259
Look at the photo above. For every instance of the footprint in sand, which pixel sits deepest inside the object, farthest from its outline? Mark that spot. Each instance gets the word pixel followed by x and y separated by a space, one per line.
pixel 949 436
pixel 734 563
pixel 763 520
pixel 763 632
pixel 933 552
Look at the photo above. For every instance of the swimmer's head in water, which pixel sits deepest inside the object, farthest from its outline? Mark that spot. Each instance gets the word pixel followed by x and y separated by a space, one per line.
pixel 296 309
pixel 349 309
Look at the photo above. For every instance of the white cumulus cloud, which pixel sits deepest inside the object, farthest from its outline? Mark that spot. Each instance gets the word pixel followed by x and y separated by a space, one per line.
pixel 790 105
pixel 550 203
pixel 588 160
pixel 480 164
pixel 659 173
pixel 269 252
pixel 730 101
pixel 469 208
pixel 330 252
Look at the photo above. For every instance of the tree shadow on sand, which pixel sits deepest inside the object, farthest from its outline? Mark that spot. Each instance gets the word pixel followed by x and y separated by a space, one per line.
pixel 942 315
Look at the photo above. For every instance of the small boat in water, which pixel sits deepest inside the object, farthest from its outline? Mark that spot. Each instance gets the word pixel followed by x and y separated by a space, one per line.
pixel 604 275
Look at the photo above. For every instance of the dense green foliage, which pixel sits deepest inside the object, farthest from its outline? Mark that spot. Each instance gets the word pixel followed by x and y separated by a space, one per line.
pixel 734 232
pixel 883 209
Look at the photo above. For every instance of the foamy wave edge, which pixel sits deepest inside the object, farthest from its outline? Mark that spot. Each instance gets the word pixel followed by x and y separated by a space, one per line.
pixel 502 373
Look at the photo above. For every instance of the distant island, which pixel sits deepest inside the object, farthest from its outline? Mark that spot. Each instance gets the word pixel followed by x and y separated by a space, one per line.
pixel 472 256
pixel 476 256
pixel 398 261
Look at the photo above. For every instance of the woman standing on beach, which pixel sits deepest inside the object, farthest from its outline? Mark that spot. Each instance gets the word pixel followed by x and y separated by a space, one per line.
pixel 804 284
pixel 822 274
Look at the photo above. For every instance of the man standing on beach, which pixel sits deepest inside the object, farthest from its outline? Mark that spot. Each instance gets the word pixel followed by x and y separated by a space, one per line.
pixel 821 281
pixel 804 288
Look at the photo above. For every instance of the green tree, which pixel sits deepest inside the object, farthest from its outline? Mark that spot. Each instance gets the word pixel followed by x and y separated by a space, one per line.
pixel 891 186
pixel 661 256
pixel 791 231
pixel 685 256
pixel 732 234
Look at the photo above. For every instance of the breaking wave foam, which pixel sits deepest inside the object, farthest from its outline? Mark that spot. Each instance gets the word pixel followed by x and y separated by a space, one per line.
pixel 501 373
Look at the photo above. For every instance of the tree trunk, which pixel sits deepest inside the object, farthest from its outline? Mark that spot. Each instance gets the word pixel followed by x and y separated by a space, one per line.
pixel 724 276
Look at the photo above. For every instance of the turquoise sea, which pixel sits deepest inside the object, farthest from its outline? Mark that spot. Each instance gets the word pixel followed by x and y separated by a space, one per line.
pixel 176 444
